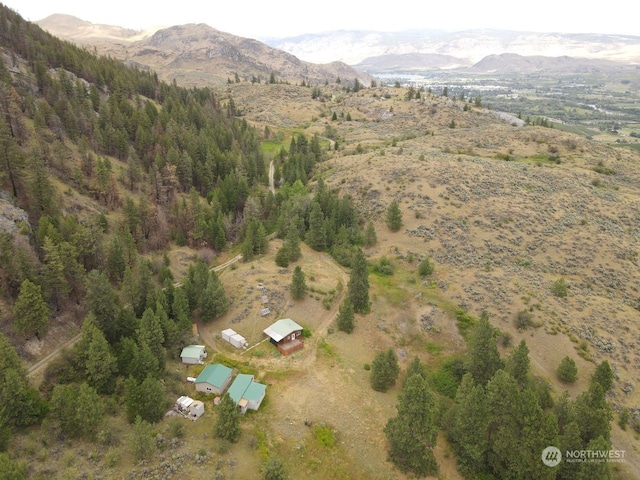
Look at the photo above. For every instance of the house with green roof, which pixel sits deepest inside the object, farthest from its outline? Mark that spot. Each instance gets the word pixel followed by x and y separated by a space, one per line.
pixel 193 354
pixel 246 392
pixel 214 379
pixel 286 335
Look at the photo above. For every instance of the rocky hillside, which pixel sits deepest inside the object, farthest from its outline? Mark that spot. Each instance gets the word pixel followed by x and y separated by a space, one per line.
pixel 199 55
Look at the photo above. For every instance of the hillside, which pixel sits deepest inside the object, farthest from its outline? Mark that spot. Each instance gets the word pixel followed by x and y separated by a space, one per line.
pixel 198 55
pixel 121 192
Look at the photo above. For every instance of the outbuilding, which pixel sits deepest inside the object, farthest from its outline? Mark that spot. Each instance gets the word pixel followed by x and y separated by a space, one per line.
pixel 214 379
pixel 286 335
pixel 246 392
pixel 193 409
pixel 193 354
pixel 234 338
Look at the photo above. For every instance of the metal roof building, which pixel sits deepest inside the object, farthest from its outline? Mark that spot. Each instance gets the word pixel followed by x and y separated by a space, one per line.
pixel 246 392
pixel 214 379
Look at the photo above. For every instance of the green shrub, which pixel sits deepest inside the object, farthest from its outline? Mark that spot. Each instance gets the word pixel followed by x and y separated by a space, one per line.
pixel 324 435
pixel 567 370
pixel 559 288
pixel 523 319
pixel 425 268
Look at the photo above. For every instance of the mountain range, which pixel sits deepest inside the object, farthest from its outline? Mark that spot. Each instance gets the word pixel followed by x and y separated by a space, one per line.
pixel 199 55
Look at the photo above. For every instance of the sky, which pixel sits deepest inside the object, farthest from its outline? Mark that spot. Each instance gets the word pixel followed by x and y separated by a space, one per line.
pixel 261 19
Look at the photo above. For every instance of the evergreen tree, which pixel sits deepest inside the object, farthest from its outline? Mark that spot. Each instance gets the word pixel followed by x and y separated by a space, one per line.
pixel 298 285
pixel 145 400
pixel 227 426
pixel 411 435
pixel 150 333
pixel 567 370
pixel 394 216
pixel 370 236
pixel 593 414
pixel 483 359
pixel 517 364
pixel 54 280
pixel 358 286
pixel 346 317
pixel 75 411
pixel 316 236
pixel 467 427
pixel 30 312
pixel 102 300
pixel 604 376
pixel 292 242
pixel 213 301
pixel 283 256
pixel 415 368
pixel 384 370
pixel 100 363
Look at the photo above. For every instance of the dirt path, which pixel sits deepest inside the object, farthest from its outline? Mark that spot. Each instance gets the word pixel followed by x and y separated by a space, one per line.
pixel 42 363
pixel 272 184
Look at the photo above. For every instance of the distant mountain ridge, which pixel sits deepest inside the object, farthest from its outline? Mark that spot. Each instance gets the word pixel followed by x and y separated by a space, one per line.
pixel 470 46
pixel 197 54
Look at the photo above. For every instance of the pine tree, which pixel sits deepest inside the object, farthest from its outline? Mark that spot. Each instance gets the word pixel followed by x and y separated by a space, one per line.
pixel 467 427
pixel 150 333
pixel 292 241
pixel 100 363
pixel 411 435
pixel 394 216
pixel 346 320
pixel 227 426
pixel 141 439
pixel 358 286
pixel 370 236
pixel 30 312
pixel 316 236
pixel 298 285
pixel 567 370
pixel 145 400
pixel 603 375
pixel 415 368
pixel 384 370
pixel 213 301
pixel 518 364
pixel 283 256
pixel 483 359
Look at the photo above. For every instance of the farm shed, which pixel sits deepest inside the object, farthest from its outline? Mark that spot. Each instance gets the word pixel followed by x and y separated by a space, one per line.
pixel 214 379
pixel 190 407
pixel 286 335
pixel 234 338
pixel 247 393
pixel 193 354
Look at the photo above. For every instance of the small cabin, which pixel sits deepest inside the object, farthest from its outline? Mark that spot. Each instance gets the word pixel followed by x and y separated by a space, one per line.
pixel 286 335
pixel 193 354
